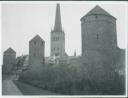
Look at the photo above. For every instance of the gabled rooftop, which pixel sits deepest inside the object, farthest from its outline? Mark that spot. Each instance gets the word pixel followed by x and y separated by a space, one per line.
pixel 9 50
pixel 97 10
pixel 37 38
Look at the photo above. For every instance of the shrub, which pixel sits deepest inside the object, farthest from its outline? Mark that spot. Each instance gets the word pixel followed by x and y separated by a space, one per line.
pixel 85 79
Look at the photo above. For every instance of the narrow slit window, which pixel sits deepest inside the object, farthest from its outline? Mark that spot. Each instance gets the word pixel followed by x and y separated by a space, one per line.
pixel 96 16
pixel 97 36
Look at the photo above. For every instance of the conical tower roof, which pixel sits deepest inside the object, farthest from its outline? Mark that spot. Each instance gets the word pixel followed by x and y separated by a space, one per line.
pixel 97 10
pixel 37 38
pixel 58 25
pixel 9 50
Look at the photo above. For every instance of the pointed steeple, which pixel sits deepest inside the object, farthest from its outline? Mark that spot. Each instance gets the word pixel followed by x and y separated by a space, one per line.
pixel 58 25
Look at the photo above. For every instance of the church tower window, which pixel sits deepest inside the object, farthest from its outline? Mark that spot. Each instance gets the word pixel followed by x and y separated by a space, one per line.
pixel 56 54
pixel 54 49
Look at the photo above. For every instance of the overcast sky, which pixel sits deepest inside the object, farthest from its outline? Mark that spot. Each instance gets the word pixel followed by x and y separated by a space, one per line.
pixel 22 21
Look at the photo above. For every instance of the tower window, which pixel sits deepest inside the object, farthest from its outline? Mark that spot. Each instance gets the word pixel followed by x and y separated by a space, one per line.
pixel 54 49
pixel 56 54
pixel 35 43
pixel 96 16
pixel 55 38
pixel 97 36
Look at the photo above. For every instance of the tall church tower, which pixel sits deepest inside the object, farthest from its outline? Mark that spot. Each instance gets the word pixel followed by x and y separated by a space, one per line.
pixel 57 36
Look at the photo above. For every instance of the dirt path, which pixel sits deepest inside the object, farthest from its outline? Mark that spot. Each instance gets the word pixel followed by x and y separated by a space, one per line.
pixel 9 88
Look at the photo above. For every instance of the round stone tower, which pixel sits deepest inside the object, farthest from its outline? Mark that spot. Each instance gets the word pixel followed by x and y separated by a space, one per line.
pixel 98 31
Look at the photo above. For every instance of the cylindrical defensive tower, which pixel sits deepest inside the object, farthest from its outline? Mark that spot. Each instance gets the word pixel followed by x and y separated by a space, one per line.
pixel 98 31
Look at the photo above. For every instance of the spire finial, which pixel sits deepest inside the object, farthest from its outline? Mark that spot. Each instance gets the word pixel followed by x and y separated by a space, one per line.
pixel 58 25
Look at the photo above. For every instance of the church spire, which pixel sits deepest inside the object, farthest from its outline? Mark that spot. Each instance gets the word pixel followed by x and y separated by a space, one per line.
pixel 58 25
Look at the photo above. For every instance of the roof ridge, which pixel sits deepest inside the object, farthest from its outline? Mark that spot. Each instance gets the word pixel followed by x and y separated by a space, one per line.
pixel 36 37
pixel 97 10
pixel 10 50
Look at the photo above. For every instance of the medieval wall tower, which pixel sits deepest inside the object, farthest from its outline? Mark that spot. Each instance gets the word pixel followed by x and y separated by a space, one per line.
pixel 36 51
pixel 9 61
pixel 98 31
pixel 57 36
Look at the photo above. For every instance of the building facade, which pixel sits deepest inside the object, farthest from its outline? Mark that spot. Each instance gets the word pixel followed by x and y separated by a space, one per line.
pixel 9 61
pixel 36 51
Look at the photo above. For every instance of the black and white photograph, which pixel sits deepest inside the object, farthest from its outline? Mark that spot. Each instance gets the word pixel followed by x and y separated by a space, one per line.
pixel 64 48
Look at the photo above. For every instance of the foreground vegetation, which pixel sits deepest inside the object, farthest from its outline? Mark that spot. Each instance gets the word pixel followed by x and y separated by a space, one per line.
pixel 76 80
